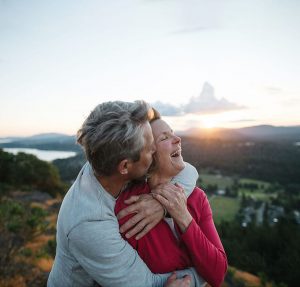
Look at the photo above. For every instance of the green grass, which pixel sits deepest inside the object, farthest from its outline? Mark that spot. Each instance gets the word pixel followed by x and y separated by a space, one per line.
pixel 224 208
pixel 226 181
pixel 221 181
pixel 261 184
pixel 259 195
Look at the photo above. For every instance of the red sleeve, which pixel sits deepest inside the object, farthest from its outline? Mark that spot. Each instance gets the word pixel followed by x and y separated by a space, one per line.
pixel 120 204
pixel 202 241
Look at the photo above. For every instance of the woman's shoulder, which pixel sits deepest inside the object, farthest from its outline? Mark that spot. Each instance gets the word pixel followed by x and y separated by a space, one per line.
pixel 134 189
pixel 198 202
pixel 197 193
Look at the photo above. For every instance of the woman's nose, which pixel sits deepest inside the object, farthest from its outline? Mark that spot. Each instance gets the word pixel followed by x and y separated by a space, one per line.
pixel 176 139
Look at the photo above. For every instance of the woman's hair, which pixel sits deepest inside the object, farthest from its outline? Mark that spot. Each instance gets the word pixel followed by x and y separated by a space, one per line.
pixel 112 132
pixel 156 116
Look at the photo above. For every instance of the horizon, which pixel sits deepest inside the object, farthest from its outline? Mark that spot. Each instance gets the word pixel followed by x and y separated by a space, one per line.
pixel 178 131
pixel 201 64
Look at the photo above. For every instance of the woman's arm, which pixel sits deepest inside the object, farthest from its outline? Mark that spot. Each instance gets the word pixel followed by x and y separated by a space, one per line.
pixel 198 233
pixel 203 242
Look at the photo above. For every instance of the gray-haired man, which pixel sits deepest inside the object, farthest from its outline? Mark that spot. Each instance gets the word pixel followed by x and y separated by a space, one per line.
pixel 118 144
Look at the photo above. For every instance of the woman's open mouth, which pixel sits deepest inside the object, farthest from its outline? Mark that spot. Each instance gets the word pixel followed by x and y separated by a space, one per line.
pixel 177 153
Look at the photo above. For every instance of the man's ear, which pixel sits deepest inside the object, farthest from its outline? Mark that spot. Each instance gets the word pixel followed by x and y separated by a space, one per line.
pixel 123 167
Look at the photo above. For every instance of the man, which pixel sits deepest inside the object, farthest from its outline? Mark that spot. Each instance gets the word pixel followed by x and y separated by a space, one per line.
pixel 118 144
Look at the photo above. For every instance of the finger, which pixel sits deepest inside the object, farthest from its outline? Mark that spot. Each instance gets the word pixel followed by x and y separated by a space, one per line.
pixel 187 280
pixel 128 210
pixel 167 188
pixel 132 199
pixel 179 186
pixel 172 277
pixel 146 230
pixel 167 193
pixel 137 228
pixel 131 222
pixel 162 200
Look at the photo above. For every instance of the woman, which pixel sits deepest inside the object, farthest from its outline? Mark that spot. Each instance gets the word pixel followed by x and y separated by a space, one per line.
pixel 189 238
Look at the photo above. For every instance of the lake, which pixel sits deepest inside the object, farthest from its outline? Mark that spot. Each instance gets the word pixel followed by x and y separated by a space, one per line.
pixel 47 155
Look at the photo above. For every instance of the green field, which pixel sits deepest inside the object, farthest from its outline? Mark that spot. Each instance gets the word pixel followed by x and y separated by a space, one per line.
pixel 221 181
pixel 224 182
pixel 224 208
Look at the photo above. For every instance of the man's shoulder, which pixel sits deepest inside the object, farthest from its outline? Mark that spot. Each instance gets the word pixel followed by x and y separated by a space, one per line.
pixel 84 202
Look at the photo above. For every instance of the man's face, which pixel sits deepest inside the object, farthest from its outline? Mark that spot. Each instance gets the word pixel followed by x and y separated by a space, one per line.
pixel 140 168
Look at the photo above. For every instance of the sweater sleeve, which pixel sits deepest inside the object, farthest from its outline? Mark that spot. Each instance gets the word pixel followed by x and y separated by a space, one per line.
pixel 187 178
pixel 111 261
pixel 203 243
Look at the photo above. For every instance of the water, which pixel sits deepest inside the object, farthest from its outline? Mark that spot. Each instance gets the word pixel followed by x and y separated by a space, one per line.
pixel 47 155
pixel 5 141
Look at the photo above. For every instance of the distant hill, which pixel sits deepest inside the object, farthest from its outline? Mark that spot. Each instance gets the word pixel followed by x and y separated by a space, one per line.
pixel 254 133
pixel 48 141
pixel 57 141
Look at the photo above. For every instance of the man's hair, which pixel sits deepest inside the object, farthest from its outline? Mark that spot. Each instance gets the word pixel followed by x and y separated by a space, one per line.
pixel 113 132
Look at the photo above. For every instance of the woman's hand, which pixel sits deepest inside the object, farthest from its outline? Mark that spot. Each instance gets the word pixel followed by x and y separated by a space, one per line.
pixel 173 198
pixel 148 212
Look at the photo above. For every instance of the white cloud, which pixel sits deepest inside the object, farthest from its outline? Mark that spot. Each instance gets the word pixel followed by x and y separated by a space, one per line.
pixel 167 109
pixel 205 103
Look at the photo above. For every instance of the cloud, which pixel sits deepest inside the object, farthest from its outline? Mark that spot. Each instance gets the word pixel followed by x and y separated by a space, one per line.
pixel 205 103
pixel 167 109
pixel 243 121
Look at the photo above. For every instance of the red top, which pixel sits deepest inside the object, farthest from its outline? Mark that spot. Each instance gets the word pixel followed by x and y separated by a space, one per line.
pixel 199 246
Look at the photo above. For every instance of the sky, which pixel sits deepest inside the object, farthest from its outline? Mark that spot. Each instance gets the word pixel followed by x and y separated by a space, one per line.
pixel 213 63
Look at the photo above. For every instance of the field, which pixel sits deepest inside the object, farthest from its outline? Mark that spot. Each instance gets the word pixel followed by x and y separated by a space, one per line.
pixel 221 181
pixel 224 182
pixel 224 208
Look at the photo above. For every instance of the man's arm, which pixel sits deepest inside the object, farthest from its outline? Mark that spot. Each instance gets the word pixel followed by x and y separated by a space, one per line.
pixel 148 211
pixel 109 259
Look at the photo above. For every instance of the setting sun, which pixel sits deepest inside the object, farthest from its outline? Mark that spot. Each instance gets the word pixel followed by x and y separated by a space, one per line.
pixel 210 122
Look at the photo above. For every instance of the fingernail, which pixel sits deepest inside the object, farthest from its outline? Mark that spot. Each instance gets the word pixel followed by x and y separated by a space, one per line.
pixel 127 235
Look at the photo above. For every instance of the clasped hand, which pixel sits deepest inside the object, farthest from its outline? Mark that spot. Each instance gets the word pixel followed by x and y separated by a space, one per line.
pixel 173 198
pixel 148 210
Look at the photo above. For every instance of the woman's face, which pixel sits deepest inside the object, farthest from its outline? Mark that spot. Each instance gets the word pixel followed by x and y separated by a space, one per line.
pixel 168 149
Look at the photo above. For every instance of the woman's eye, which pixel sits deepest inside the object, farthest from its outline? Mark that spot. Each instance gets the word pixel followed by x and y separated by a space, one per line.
pixel 164 138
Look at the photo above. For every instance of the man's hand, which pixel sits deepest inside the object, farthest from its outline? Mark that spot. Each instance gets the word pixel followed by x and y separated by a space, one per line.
pixel 173 198
pixel 173 282
pixel 148 213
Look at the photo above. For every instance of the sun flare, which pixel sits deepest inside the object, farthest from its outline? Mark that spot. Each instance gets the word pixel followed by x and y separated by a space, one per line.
pixel 210 122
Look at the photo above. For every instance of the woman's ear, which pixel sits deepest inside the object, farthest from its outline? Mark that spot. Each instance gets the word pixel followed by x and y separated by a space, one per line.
pixel 123 167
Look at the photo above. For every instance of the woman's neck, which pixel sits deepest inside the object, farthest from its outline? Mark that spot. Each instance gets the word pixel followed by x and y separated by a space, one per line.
pixel 156 179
